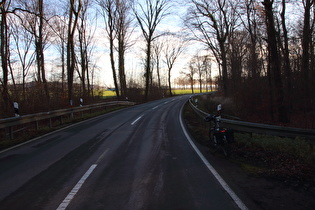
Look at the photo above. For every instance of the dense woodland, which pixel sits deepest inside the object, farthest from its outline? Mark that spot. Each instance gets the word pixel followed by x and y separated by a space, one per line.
pixel 263 51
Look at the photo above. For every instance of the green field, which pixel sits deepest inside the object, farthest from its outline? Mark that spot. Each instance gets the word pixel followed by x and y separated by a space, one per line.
pixel 186 91
pixel 105 93
pixel 110 93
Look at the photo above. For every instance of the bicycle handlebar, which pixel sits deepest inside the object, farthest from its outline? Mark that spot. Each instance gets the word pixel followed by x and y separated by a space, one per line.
pixel 211 117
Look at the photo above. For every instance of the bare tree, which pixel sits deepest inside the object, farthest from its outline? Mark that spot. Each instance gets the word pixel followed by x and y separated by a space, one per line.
pixel 275 62
pixel 123 25
pixel 197 62
pixel 85 40
pixel 116 14
pixel 148 17
pixel 4 50
pixel 39 43
pixel 33 18
pixel 286 57
pixel 23 41
pixel 108 11
pixel 157 51
pixel 75 7
pixel 210 23
pixel 174 46
pixel 190 75
pixel 60 29
pixel 238 40
pixel 251 25
pixel 306 43
pixel 207 65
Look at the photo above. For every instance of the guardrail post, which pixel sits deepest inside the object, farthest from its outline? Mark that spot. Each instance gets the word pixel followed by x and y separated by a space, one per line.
pixel 16 109
pixel 11 132
pixel 6 133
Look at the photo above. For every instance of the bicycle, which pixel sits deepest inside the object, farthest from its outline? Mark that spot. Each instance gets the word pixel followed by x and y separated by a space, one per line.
pixel 219 138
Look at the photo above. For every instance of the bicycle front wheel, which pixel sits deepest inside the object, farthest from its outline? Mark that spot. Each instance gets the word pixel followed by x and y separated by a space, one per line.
pixel 225 146
pixel 213 142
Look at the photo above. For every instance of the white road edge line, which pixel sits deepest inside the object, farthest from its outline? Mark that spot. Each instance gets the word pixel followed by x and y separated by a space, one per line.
pixel 136 120
pixel 155 107
pixel 100 158
pixel 225 186
pixel 76 188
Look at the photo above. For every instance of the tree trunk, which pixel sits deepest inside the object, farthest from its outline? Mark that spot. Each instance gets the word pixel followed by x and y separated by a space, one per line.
pixel 169 81
pixel 192 85
pixel 306 44
pixel 41 48
pixel 275 63
pixel 4 58
pixel 71 58
pixel 112 61
pixel 63 66
pixel 286 55
pixel 224 68
pixel 147 70
pixel 121 66
pixel 83 52
pixel 158 73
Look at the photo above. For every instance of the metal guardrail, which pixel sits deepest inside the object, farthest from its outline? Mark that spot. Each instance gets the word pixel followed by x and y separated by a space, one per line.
pixel 266 129
pixel 9 123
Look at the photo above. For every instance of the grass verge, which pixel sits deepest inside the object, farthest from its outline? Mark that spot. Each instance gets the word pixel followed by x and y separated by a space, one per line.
pixel 288 160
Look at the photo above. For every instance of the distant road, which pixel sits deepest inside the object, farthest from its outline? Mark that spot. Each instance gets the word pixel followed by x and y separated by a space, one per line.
pixel 136 158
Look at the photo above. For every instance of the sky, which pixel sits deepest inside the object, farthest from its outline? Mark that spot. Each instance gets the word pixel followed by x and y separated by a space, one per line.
pixel 173 22
pixel 134 56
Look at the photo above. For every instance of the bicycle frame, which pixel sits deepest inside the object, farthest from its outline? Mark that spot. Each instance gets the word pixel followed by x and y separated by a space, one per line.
pixel 219 137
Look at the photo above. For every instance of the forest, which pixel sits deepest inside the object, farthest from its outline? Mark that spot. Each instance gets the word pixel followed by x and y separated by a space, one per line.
pixel 258 53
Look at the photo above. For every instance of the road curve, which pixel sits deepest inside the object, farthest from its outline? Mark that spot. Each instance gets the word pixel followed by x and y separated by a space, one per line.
pixel 136 158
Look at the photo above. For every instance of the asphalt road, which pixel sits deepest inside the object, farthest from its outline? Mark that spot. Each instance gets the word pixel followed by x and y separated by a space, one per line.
pixel 136 158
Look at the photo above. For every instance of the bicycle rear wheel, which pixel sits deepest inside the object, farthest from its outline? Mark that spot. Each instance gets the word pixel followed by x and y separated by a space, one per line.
pixel 213 142
pixel 225 146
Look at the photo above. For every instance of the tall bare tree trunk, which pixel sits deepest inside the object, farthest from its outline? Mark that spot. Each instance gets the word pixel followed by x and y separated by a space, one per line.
pixel 148 18
pixel 147 70
pixel 224 67
pixel 252 30
pixel 286 54
pixel 40 49
pixel 275 62
pixel 109 11
pixel 123 24
pixel 306 45
pixel 4 45
pixel 121 66
pixel 157 52
pixel 83 49
pixel 74 12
